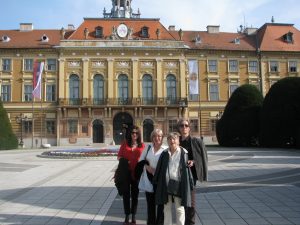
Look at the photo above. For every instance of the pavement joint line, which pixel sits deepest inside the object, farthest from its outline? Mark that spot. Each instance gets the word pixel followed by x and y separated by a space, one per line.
pixel 22 191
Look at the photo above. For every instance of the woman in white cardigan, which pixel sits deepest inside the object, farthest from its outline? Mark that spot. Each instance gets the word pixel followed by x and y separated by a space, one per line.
pixel 151 154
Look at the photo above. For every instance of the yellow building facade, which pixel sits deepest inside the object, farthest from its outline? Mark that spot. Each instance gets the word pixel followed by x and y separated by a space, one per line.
pixel 120 70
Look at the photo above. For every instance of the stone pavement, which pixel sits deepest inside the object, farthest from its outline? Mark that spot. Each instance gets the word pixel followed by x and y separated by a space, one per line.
pixel 246 186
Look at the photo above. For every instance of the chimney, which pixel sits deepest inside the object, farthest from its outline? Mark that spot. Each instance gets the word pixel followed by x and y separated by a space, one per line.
pixel 71 27
pixel 250 30
pixel 213 29
pixel 26 27
pixel 171 28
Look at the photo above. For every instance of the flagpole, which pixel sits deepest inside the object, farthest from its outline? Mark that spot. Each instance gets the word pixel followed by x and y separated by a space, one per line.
pixel 41 115
pixel 32 121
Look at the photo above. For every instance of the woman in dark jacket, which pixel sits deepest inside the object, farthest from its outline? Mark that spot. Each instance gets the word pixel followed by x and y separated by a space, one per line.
pixel 172 165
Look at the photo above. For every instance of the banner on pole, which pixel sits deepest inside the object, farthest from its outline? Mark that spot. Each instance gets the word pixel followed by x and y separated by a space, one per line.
pixel 193 77
pixel 37 79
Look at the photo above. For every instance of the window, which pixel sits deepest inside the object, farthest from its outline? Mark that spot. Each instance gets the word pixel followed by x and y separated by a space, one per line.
pixel 98 89
pixel 274 66
pixel 5 92
pixel 212 66
pixel 288 37
pixel 147 89
pixel 144 32
pixel 50 92
pixel 6 65
pixel 253 66
pixel 28 64
pixel 74 89
pixel 232 88
pixel 51 64
pixel 213 92
pixel 173 126
pixel 233 66
pixel 213 125
pixel 123 88
pixel 292 66
pixel 72 126
pixel 28 92
pixel 99 32
pixel 171 89
pixel 194 125
pixel 50 127
pixel 27 127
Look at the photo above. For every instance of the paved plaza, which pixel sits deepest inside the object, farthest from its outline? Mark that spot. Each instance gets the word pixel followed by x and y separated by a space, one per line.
pixel 246 186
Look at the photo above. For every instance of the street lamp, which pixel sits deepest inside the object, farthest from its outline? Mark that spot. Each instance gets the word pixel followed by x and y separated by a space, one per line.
pixel 20 119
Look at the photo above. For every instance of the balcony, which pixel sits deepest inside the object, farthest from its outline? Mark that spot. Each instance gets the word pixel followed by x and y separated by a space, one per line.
pixel 170 102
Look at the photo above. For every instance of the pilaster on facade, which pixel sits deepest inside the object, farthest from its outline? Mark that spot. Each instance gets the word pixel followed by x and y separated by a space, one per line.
pixel 135 78
pixel 159 74
pixel 110 77
pixel 182 77
pixel 61 79
pixel 85 78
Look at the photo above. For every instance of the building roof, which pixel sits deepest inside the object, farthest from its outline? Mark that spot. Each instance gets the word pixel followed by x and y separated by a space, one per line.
pixel 217 41
pixel 29 39
pixel 107 25
pixel 271 37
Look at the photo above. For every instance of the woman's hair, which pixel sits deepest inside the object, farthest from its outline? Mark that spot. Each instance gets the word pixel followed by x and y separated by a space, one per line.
pixel 129 138
pixel 173 135
pixel 156 131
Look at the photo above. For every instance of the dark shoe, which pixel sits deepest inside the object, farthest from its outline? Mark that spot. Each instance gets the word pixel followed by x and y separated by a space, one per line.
pixel 133 221
pixel 126 221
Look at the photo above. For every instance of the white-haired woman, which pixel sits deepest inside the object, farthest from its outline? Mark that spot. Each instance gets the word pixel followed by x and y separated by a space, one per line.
pixel 173 179
pixel 151 155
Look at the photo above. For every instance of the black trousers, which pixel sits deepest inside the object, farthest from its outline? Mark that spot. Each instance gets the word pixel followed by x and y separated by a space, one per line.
pixel 190 211
pixel 132 194
pixel 155 214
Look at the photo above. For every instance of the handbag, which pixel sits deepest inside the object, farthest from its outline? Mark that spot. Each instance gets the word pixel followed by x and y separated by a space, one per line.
pixel 174 186
pixel 144 183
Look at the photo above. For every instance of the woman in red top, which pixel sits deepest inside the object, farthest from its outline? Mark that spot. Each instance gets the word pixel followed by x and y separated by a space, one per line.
pixel 131 149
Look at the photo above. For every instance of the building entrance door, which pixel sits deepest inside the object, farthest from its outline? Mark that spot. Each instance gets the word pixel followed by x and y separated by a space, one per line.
pixel 98 131
pixel 148 127
pixel 121 121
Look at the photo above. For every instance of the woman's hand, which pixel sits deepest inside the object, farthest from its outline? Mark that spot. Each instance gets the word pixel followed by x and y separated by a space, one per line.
pixel 150 169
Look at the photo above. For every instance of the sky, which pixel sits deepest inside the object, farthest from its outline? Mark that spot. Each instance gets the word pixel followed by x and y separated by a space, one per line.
pixel 184 14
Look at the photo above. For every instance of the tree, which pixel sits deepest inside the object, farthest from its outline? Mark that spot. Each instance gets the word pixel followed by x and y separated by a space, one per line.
pixel 239 124
pixel 280 119
pixel 8 139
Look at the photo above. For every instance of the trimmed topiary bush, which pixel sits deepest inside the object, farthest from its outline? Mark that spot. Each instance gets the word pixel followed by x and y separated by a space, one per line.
pixel 239 124
pixel 280 119
pixel 8 139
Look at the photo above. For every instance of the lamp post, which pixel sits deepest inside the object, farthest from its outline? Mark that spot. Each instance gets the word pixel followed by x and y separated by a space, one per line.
pixel 20 119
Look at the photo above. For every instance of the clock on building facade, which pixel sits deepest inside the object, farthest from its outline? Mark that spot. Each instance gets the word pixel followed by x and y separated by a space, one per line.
pixel 122 30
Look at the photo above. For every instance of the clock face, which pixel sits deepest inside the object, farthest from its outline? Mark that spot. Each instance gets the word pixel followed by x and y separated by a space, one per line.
pixel 122 30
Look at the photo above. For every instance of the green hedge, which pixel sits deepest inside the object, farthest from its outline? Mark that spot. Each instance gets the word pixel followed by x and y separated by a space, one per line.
pixel 280 119
pixel 8 139
pixel 239 124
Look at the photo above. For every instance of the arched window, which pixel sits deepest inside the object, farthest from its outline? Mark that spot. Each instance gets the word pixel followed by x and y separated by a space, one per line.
pixel 147 89
pixel 171 89
pixel 98 89
pixel 145 32
pixel 123 89
pixel 99 32
pixel 74 89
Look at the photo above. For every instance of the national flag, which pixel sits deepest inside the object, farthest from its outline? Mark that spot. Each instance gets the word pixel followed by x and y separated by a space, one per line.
pixel 37 79
pixel 193 77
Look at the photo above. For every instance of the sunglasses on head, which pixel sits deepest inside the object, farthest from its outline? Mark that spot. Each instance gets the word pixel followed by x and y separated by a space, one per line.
pixel 184 125
pixel 134 132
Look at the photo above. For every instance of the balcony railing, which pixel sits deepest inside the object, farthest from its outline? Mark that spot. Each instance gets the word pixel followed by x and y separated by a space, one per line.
pixel 172 102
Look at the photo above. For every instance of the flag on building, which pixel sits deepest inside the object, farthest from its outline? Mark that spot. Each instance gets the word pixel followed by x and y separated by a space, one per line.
pixel 37 79
pixel 193 77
